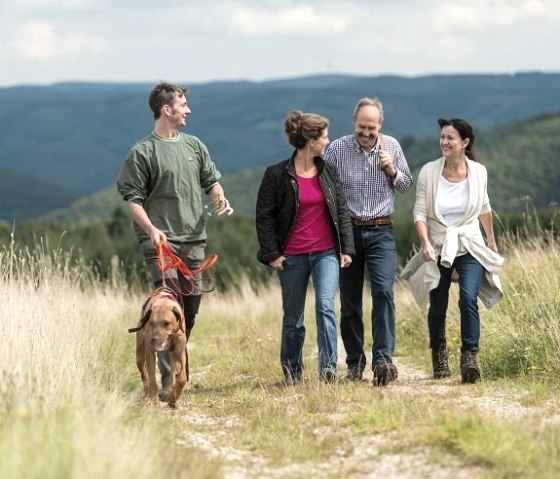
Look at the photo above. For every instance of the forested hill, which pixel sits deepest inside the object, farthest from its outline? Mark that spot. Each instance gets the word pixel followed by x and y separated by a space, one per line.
pixel 23 196
pixel 71 138
pixel 522 158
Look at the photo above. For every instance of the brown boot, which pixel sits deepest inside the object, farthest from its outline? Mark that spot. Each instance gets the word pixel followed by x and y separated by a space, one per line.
pixel 470 372
pixel 440 362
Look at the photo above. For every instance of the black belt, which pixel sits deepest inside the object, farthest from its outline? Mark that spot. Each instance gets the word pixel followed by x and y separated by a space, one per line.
pixel 383 220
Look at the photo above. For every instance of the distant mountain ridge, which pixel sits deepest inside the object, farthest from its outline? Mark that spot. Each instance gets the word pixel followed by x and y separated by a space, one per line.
pixel 74 136
pixel 24 197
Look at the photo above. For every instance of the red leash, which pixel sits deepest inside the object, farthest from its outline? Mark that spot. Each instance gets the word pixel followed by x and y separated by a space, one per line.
pixel 169 260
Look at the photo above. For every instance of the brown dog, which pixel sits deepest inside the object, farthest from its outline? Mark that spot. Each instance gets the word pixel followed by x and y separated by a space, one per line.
pixel 162 328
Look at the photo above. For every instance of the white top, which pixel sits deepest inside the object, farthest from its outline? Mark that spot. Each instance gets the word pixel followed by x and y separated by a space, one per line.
pixel 453 200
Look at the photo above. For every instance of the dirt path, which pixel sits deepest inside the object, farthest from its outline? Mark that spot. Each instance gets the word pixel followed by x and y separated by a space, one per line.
pixel 369 457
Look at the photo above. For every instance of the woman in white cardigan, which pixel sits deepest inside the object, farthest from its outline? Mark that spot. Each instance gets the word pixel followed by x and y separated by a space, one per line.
pixel 451 203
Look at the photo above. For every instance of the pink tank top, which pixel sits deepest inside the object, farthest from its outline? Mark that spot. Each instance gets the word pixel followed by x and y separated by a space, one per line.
pixel 313 230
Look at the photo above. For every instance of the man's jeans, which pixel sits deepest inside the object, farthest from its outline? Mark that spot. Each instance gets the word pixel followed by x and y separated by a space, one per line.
pixel 470 273
pixel 324 268
pixel 376 250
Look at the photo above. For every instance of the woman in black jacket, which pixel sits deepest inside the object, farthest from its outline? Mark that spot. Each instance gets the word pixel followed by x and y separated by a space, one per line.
pixel 304 229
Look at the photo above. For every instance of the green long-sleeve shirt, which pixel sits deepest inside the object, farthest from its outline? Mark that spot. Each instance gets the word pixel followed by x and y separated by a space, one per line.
pixel 168 177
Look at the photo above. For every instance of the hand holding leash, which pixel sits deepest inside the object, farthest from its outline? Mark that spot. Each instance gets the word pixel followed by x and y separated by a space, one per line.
pixel 157 237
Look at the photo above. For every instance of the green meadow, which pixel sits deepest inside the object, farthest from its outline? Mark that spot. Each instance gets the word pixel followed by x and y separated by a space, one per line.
pixel 71 401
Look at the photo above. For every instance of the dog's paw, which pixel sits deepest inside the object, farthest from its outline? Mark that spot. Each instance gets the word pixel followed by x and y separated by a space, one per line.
pixel 151 401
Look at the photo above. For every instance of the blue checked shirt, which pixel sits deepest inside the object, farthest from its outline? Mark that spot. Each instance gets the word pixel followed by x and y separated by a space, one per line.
pixel 369 191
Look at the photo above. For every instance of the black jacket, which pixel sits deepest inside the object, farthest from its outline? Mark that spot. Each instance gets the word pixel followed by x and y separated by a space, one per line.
pixel 278 203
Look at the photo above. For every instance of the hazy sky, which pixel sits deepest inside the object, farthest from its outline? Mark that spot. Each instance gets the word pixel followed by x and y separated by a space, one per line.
pixel 47 41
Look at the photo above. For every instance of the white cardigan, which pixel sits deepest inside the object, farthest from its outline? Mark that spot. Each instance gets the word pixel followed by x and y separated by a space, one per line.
pixel 423 276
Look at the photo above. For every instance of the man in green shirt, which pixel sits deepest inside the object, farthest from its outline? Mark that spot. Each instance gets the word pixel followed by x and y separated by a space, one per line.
pixel 163 179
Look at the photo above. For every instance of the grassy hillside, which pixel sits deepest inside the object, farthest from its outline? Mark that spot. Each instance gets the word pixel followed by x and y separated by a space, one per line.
pixel 76 135
pixel 71 399
pixel 523 161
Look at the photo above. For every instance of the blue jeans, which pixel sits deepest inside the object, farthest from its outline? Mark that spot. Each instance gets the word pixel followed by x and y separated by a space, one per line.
pixel 470 276
pixel 376 250
pixel 323 267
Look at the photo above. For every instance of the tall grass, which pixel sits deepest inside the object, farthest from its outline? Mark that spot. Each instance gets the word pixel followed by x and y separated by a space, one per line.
pixel 66 408
pixel 523 331
pixel 520 336
pixel 71 403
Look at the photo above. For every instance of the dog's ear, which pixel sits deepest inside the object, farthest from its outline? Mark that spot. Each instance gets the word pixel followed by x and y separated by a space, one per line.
pixel 142 322
pixel 180 318
pixel 178 313
pixel 144 319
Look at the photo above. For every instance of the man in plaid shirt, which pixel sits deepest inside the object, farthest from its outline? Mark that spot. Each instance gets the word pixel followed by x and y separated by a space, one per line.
pixel 371 166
